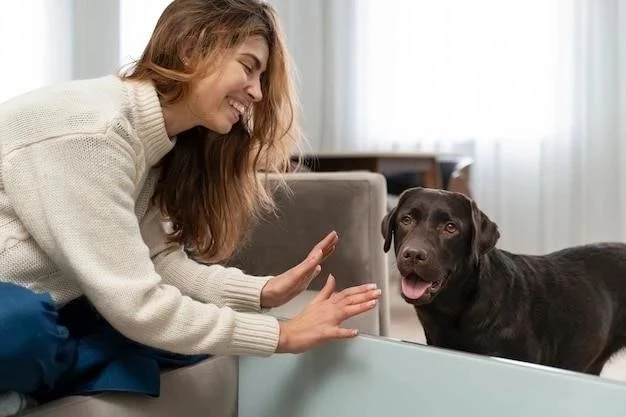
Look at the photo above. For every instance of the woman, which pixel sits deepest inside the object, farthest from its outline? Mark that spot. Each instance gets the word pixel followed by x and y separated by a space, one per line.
pixel 105 181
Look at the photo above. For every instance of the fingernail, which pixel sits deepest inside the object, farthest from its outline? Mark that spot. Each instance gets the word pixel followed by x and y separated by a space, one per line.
pixel 372 286
pixel 355 332
pixel 372 303
pixel 378 292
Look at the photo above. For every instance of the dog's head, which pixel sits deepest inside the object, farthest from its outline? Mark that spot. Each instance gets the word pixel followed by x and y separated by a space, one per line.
pixel 435 233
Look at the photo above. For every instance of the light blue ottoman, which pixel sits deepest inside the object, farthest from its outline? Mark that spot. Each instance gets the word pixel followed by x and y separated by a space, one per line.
pixel 378 377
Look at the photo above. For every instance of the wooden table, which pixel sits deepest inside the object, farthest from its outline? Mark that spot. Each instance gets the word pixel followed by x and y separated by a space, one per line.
pixel 386 163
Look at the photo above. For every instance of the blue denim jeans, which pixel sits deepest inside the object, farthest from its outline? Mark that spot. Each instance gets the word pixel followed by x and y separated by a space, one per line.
pixel 49 353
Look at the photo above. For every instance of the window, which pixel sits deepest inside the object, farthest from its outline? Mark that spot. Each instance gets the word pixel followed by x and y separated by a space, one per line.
pixel 460 69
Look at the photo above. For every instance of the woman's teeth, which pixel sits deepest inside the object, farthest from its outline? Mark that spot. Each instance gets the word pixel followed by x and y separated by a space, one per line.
pixel 237 106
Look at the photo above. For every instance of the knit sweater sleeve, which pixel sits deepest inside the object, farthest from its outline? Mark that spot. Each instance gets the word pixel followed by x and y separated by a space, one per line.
pixel 75 196
pixel 214 284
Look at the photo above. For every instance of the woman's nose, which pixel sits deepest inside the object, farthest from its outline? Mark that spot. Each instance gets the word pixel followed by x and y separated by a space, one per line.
pixel 254 90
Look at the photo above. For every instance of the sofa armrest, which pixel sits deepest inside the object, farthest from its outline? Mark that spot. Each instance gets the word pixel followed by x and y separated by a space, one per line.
pixel 352 203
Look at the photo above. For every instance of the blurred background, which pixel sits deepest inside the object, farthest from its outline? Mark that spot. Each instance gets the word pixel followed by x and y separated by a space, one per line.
pixel 532 92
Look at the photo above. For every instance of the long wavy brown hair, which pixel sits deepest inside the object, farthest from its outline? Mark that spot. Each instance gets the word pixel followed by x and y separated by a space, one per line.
pixel 210 188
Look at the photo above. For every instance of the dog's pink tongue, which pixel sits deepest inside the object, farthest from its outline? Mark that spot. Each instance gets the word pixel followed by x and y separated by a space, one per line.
pixel 414 288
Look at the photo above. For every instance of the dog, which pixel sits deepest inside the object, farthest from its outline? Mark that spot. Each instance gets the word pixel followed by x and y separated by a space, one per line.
pixel 566 309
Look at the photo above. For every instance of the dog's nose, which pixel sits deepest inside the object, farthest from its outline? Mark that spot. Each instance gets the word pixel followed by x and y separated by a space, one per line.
pixel 414 254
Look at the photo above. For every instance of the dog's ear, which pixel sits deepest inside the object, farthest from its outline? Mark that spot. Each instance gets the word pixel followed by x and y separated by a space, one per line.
pixel 387 226
pixel 485 235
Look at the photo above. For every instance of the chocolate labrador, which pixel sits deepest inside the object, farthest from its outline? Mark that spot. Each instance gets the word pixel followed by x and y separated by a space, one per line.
pixel 566 309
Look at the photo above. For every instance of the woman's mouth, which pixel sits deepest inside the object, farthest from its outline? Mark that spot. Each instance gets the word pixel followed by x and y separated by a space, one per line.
pixel 238 106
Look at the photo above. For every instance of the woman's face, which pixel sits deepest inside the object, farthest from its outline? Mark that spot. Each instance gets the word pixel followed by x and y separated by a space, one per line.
pixel 218 100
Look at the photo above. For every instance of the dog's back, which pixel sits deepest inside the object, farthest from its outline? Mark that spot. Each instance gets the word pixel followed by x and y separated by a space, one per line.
pixel 564 309
pixel 599 264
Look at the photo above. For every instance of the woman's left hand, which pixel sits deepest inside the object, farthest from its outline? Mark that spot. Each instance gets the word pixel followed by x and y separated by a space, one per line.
pixel 282 288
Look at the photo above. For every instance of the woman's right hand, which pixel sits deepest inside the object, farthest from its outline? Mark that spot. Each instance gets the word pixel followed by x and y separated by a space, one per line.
pixel 321 320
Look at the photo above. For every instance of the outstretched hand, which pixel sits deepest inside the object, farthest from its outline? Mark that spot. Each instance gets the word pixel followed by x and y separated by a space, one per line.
pixel 284 287
pixel 321 320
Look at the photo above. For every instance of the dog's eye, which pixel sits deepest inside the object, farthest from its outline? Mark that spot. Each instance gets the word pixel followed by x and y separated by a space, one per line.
pixel 450 227
pixel 406 220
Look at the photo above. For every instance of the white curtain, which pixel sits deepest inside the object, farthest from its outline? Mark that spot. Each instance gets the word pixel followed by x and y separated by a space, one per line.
pixel 35 44
pixel 534 90
pixel 568 186
pixel 137 21
pixel 48 41
pixel 323 39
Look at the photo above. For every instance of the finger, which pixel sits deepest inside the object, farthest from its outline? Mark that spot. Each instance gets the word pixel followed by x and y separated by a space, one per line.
pixel 327 243
pixel 359 298
pixel 330 246
pixel 356 309
pixel 315 273
pixel 342 333
pixel 329 240
pixel 355 290
pixel 327 291
pixel 318 254
pixel 305 268
pixel 329 252
pixel 303 281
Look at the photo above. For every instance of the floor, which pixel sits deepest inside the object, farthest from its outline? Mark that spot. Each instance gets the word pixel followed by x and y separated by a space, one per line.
pixel 406 326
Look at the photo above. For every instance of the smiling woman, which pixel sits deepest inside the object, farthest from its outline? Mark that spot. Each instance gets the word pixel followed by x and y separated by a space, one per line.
pixel 218 100
pixel 163 162
pixel 225 79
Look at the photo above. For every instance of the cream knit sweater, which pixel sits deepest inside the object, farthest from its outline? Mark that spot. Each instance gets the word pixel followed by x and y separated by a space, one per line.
pixel 76 178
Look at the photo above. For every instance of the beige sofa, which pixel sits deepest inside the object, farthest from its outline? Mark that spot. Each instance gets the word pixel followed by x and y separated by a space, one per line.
pixel 353 204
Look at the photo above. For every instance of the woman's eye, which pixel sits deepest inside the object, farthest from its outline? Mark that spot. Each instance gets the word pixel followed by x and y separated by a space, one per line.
pixel 406 220
pixel 247 68
pixel 450 227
